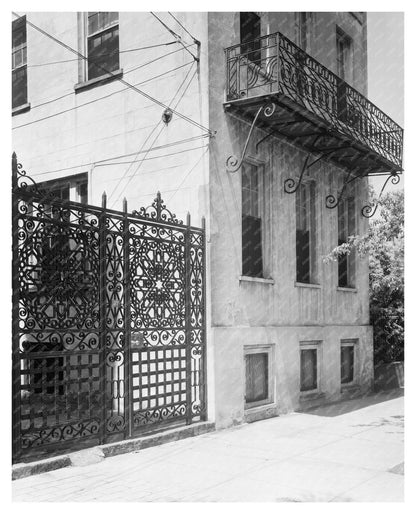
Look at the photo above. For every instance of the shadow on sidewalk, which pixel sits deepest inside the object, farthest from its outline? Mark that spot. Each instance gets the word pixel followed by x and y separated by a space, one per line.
pixel 344 406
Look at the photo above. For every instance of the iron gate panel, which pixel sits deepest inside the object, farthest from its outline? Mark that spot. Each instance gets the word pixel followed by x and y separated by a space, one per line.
pixel 108 321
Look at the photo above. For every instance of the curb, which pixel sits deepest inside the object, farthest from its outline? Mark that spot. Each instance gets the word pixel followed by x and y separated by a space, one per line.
pixel 97 453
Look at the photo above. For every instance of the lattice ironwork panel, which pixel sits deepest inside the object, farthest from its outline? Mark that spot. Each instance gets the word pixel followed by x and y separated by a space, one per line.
pixel 58 300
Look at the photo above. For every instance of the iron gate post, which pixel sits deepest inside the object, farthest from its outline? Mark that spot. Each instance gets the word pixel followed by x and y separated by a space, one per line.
pixel 203 380
pixel 128 386
pixel 16 411
pixel 188 347
pixel 102 324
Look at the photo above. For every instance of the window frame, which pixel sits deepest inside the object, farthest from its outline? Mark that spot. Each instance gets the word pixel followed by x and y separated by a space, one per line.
pixel 251 46
pixel 354 343
pixel 85 36
pixel 20 24
pixel 311 218
pixel 304 30
pixel 259 349
pixel 311 345
pixel 345 65
pixel 263 210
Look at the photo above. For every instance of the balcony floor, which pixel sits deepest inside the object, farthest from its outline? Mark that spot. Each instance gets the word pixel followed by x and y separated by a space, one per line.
pixel 308 131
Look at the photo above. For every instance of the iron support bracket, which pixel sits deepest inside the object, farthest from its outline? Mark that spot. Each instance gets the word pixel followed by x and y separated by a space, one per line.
pixel 233 164
pixel 368 211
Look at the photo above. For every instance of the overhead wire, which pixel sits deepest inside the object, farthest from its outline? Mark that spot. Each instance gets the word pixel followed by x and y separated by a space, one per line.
pixel 103 55
pixel 101 161
pixel 177 36
pixel 184 28
pixel 155 139
pixel 149 97
pixel 95 99
pixel 125 72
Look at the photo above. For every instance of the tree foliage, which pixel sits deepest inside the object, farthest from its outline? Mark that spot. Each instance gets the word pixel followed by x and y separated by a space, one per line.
pixel 384 245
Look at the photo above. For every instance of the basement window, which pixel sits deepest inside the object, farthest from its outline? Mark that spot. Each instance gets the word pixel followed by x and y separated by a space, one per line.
pixel 258 379
pixel 310 364
pixel 348 361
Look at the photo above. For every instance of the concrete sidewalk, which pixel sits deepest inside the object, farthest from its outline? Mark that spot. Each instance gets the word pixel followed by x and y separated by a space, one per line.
pixel 350 451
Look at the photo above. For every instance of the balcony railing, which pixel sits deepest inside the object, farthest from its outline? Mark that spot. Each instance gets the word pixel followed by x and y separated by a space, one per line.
pixel 273 65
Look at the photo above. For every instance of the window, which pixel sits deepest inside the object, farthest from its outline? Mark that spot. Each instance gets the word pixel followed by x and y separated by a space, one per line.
pixel 309 367
pixel 306 267
pixel 19 62
pixel 258 376
pixel 304 30
pixel 344 56
pixel 250 30
pixel 346 228
pixel 348 359
pixel 73 188
pixel 252 224
pixel 102 43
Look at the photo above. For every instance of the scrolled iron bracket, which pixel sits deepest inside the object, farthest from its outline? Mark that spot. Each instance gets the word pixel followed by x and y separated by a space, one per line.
pixel 330 201
pixel 368 211
pixel 290 185
pixel 233 164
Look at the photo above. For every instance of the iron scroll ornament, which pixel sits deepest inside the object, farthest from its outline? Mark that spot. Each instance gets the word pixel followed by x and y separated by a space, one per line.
pixel 233 164
pixel 368 211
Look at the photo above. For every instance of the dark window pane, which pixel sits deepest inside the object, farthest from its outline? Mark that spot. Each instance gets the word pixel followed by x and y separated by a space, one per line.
pixel 19 32
pixel 308 369
pixel 302 256
pixel 252 246
pixel 343 270
pixel 249 30
pixel 19 87
pixel 257 379
pixel 103 53
pixel 347 364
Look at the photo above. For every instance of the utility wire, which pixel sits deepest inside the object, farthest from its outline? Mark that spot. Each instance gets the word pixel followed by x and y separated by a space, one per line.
pixel 155 148
pixel 154 141
pixel 95 99
pixel 177 36
pixel 149 97
pixel 149 158
pixel 103 55
pixel 189 172
pixel 187 31
pixel 129 70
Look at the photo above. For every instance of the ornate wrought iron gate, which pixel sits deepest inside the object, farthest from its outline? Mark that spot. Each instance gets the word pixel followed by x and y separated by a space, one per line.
pixel 108 321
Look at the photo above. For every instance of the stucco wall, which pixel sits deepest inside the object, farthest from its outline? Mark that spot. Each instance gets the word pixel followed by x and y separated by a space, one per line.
pixel 113 120
pixel 282 313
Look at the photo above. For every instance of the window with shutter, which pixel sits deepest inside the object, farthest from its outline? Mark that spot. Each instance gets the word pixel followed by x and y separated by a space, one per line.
pixel 19 62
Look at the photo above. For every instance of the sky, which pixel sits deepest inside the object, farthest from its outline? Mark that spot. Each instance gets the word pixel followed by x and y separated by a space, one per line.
pixel 385 47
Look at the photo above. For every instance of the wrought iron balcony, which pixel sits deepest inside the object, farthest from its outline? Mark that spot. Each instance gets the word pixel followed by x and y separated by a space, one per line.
pixel 310 105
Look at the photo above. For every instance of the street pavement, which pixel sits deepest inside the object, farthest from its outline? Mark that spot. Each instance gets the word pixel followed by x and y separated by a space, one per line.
pixel 351 451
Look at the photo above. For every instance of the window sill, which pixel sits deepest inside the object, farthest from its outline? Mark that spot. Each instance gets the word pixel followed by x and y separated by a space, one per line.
pixel 21 108
pixel 244 278
pixel 311 395
pixel 260 405
pixel 353 386
pixel 310 286
pixel 103 79
pixel 347 289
